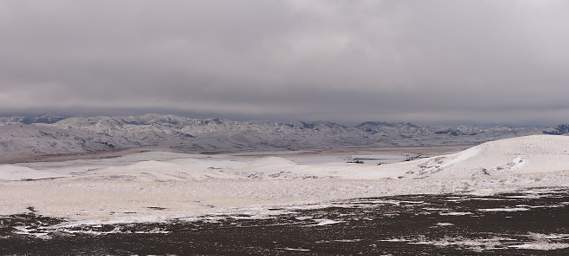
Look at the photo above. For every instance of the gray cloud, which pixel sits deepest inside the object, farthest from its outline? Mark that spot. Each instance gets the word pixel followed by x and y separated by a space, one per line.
pixel 461 60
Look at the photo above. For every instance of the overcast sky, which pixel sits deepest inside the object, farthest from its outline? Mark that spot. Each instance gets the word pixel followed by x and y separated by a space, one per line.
pixel 343 60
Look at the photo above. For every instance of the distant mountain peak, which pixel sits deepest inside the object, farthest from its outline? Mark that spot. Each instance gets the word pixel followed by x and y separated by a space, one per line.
pixel 46 135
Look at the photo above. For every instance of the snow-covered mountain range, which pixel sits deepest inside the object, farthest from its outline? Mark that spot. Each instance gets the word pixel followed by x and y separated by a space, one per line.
pixel 24 136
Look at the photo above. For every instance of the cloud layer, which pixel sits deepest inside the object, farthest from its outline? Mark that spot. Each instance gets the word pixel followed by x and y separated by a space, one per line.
pixel 320 59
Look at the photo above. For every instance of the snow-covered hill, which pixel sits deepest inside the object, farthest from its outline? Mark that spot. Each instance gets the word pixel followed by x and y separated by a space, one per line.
pixel 523 155
pixel 186 185
pixel 24 137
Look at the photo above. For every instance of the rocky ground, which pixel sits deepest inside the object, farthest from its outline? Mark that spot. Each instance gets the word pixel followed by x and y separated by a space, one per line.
pixel 531 222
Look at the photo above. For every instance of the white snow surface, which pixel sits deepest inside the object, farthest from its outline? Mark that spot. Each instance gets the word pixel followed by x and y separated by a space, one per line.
pixel 15 172
pixel 157 186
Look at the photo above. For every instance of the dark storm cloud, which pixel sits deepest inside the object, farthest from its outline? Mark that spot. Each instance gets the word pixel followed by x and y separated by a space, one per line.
pixel 305 59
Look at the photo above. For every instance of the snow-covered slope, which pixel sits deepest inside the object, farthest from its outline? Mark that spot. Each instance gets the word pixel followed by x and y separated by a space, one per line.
pixel 129 188
pixel 14 172
pixel 522 155
pixel 24 137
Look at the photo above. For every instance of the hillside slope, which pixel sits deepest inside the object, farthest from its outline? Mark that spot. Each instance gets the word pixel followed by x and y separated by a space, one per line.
pixel 523 155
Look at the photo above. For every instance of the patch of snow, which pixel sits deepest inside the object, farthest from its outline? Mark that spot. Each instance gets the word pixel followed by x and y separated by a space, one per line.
pixel 444 224
pixel 324 222
pixel 539 236
pixel 435 209
pixel 348 240
pixel 541 246
pixel 454 213
pixel 516 209
pixel 27 231
pixel 395 240
pixel 479 244
pixel 294 249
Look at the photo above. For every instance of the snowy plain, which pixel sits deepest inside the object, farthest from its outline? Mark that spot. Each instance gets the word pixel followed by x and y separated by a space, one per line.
pixel 159 186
